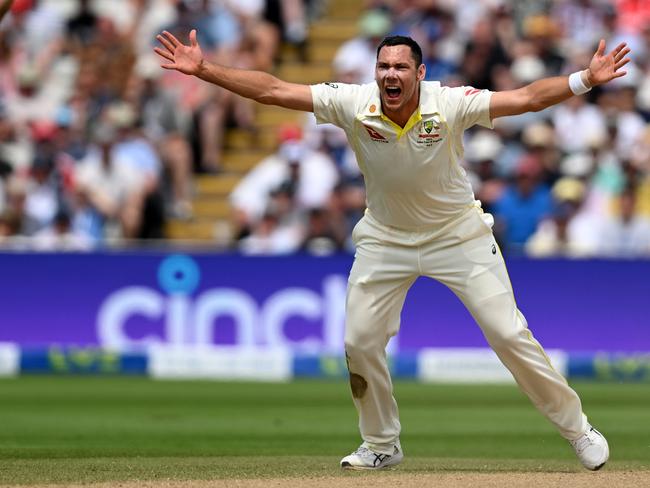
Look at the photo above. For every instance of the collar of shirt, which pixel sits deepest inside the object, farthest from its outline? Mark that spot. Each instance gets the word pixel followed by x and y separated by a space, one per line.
pixel 427 107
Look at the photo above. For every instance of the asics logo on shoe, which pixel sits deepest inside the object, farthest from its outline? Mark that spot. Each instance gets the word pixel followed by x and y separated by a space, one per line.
pixel 379 458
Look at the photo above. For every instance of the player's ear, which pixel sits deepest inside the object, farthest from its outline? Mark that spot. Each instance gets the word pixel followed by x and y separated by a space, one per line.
pixel 422 71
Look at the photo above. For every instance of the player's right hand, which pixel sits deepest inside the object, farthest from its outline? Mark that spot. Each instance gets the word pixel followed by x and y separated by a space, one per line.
pixel 183 58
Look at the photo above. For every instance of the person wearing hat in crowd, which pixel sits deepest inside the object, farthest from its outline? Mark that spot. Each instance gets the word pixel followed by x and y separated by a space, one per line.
pixel 563 232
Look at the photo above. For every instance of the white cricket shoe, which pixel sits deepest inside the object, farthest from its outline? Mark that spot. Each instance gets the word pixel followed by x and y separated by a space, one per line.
pixel 592 449
pixel 364 458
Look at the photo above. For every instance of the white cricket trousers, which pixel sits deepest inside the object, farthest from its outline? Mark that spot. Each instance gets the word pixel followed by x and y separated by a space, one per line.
pixel 464 256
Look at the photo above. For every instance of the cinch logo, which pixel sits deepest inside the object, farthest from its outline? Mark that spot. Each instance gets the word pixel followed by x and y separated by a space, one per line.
pixel 192 320
pixel 374 135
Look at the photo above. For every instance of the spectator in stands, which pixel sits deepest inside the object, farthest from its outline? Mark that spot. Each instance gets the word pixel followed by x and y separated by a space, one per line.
pixel 566 232
pixel 268 237
pixel 283 205
pixel 34 99
pixel 167 128
pixel 212 107
pixel 483 51
pixel 36 34
pixel 482 152
pixel 82 28
pixel 577 123
pixel 539 140
pixel 626 234
pixel 582 22
pixel 523 204
pixel 331 139
pixel 281 228
pixel 86 220
pixel 359 54
pixel 16 145
pixel 311 174
pixel 290 17
pixel 540 36
pixel 109 189
pixel 42 196
pixel 322 236
pixel 60 236
pixel 441 45
pixel 260 38
pixel 135 150
pixel 619 106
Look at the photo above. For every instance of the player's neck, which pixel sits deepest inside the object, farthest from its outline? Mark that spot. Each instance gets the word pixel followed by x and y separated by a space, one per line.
pixel 404 113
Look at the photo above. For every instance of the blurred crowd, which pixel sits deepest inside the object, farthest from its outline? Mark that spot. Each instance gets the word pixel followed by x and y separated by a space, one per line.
pixel 99 145
pixel 572 181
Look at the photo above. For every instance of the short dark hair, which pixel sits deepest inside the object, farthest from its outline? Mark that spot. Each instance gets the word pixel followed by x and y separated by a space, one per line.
pixel 416 50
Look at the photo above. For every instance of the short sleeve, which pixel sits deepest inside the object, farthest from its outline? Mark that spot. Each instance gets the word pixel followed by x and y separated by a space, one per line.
pixel 335 103
pixel 468 106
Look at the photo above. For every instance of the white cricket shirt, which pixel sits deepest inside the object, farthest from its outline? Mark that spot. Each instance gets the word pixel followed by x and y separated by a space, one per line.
pixel 413 177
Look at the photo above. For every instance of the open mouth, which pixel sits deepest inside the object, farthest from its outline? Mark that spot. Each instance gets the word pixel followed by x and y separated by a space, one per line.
pixel 393 92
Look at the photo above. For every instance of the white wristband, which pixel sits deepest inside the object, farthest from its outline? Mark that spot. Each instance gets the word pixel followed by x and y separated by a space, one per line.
pixel 576 84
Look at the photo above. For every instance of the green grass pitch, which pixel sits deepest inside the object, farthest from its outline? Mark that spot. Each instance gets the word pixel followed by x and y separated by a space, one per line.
pixel 83 429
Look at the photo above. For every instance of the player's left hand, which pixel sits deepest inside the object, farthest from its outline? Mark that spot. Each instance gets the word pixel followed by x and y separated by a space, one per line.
pixel 606 67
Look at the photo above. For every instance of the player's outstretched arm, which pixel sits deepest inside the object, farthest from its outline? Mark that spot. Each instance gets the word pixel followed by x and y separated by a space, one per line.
pixel 4 7
pixel 549 91
pixel 256 85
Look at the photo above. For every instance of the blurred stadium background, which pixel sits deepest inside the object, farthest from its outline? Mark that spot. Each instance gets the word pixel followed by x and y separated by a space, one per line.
pixel 153 225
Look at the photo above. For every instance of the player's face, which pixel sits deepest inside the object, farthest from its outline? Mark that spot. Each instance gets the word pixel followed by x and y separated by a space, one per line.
pixel 398 77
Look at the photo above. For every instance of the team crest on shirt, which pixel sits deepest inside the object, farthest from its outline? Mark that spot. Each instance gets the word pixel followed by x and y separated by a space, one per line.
pixel 430 131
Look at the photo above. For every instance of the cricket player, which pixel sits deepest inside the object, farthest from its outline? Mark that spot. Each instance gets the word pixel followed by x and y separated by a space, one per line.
pixel 421 220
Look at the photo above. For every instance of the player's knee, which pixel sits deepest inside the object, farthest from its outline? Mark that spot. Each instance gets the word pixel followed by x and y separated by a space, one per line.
pixel 354 347
pixel 361 344
pixel 359 334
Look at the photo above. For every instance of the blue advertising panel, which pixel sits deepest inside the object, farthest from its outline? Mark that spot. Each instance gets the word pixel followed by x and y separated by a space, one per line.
pixel 127 301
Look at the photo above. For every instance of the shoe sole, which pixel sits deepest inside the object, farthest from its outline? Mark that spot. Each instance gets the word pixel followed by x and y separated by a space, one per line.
pixel 349 467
